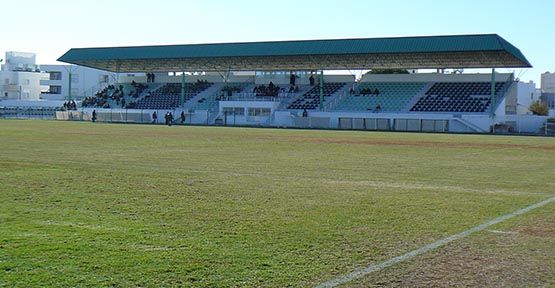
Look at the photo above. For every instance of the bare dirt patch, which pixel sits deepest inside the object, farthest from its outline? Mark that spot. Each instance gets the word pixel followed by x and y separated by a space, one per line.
pixel 465 266
pixel 519 257
pixel 544 228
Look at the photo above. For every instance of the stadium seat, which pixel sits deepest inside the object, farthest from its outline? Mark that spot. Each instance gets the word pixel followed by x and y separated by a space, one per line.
pixel 392 97
pixel 169 95
pixel 311 99
pixel 458 97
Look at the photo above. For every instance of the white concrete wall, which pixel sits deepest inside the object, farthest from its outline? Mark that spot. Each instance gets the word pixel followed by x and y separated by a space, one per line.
pixel 245 119
pixel 500 110
pixel 525 123
pixel 526 94
pixel 330 120
pixel 85 81
pixel 483 122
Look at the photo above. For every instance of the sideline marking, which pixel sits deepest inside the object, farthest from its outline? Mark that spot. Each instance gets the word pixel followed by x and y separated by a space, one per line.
pixel 379 266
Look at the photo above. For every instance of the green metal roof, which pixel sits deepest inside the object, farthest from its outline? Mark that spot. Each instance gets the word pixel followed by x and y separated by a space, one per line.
pixel 430 45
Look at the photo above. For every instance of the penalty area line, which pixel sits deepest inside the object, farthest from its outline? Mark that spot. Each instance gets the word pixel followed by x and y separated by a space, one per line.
pixel 424 249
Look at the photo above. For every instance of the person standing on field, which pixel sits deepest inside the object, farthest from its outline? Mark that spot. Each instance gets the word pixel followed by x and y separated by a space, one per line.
pixel 170 119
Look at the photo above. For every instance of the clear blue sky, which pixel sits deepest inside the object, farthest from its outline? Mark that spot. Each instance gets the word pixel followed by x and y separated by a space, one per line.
pixel 50 28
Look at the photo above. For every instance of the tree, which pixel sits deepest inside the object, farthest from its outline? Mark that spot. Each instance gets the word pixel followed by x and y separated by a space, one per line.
pixel 539 108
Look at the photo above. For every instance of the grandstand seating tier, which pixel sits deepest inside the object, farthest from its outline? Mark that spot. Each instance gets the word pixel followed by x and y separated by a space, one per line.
pixel 169 96
pixel 311 99
pixel 392 97
pixel 458 97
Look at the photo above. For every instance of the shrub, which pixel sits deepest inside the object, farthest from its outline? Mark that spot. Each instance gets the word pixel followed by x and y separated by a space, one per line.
pixel 539 108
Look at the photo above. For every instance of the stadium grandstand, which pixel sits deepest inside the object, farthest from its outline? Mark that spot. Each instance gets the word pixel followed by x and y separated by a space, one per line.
pixel 283 84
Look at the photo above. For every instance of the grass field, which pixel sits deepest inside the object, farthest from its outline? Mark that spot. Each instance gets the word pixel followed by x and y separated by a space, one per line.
pixel 89 205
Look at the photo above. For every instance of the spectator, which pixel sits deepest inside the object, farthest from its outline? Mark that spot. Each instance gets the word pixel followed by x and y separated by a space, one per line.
pixel 182 117
pixel 311 80
pixel 154 117
pixel 292 79
pixel 169 118
pixel 93 118
pixel 376 91
pixel 378 108
pixel 305 113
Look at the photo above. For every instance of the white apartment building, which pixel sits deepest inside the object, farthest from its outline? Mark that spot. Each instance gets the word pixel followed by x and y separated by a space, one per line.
pixel 84 82
pixel 20 77
pixel 548 82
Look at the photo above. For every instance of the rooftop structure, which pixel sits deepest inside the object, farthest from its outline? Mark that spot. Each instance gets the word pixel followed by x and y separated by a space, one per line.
pixel 459 51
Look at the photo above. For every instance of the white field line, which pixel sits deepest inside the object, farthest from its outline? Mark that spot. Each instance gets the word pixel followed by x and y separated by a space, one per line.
pixel 424 249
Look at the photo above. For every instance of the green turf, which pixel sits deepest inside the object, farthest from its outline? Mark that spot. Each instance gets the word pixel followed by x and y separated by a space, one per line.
pixel 85 204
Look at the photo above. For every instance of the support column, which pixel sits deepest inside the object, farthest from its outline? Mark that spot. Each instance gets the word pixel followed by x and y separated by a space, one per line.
pixel 321 89
pixel 118 69
pixel 69 86
pixel 492 92
pixel 182 88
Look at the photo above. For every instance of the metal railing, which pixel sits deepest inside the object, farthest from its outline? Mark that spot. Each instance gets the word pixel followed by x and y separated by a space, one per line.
pixel 248 96
pixel 137 116
pixel 28 112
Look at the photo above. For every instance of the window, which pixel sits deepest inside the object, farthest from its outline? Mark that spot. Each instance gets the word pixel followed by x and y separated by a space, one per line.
pixel 55 89
pixel 74 91
pixel 55 75
pixel 260 112
pixel 103 79
pixel 26 82
pixel 239 111
pixel 74 78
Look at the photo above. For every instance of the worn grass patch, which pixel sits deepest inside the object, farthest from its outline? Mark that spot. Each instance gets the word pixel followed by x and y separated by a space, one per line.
pixel 139 205
pixel 519 253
